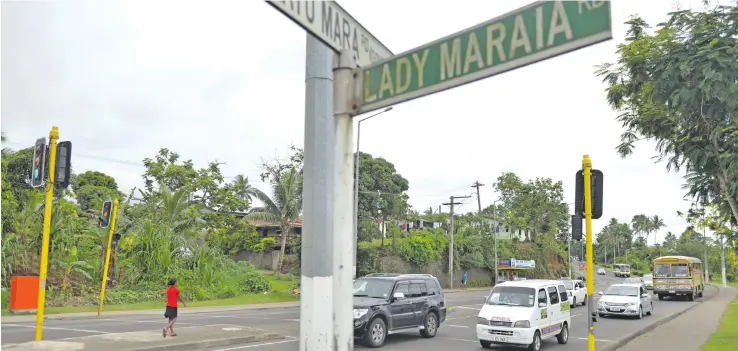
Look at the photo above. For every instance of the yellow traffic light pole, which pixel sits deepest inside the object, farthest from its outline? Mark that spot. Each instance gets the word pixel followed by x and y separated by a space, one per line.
pixel 113 215
pixel 53 138
pixel 587 174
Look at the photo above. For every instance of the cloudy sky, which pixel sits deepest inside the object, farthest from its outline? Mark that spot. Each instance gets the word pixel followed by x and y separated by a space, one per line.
pixel 224 80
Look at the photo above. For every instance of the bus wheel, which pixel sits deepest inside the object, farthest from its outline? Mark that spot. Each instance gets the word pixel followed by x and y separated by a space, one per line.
pixel 690 296
pixel 702 291
pixel 661 297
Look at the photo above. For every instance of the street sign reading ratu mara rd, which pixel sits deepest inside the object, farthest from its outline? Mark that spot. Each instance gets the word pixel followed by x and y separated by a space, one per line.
pixel 330 23
pixel 536 32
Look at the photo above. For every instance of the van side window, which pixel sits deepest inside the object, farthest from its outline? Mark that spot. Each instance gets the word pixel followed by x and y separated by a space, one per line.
pixel 542 296
pixel 553 295
pixel 432 287
pixel 563 294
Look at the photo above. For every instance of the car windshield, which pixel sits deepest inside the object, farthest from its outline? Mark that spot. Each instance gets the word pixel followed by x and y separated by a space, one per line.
pixel 620 290
pixel 648 278
pixel 512 296
pixel 569 284
pixel 376 288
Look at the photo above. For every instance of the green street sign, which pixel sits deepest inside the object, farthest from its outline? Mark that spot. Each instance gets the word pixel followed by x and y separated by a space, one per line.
pixel 536 32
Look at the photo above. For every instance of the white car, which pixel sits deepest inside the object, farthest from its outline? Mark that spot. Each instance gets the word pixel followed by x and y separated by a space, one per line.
pixel 522 313
pixel 601 271
pixel 625 300
pixel 577 292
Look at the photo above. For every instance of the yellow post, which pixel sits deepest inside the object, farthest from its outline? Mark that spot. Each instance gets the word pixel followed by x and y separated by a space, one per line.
pixel 587 174
pixel 114 215
pixel 53 138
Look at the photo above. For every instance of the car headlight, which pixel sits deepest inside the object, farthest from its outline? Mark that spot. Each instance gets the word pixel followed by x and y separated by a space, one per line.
pixel 632 303
pixel 482 320
pixel 522 324
pixel 358 313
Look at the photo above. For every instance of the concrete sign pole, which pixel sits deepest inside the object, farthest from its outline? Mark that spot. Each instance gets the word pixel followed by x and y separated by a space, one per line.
pixel 343 201
pixel 316 290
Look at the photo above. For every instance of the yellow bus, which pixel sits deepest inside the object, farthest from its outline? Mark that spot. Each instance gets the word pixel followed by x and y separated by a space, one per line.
pixel 621 270
pixel 678 275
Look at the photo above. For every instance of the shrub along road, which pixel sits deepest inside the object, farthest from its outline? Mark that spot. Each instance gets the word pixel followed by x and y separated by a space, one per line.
pixel 457 332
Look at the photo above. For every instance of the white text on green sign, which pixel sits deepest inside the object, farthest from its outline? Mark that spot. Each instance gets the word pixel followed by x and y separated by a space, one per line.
pixel 536 32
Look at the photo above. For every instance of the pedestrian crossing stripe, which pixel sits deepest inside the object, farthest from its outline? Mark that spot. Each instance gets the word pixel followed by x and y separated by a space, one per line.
pixel 550 329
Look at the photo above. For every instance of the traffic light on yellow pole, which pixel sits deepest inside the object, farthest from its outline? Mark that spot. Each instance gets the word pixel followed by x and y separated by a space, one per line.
pixel 38 163
pixel 37 178
pixel 588 203
pixel 107 212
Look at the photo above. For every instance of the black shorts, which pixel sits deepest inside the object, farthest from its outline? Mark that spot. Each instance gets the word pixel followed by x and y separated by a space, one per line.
pixel 170 312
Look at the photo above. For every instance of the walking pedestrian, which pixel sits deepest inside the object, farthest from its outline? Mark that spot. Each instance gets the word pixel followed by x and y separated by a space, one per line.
pixel 464 280
pixel 171 310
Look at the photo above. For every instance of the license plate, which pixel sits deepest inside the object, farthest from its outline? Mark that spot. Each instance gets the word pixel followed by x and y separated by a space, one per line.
pixel 499 339
pixel 672 291
pixel 616 308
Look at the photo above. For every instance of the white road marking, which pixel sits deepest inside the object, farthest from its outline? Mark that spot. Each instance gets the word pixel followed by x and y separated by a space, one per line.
pixel 602 340
pixel 468 308
pixel 458 326
pixel 450 319
pixel 57 328
pixel 257 345
pixel 466 340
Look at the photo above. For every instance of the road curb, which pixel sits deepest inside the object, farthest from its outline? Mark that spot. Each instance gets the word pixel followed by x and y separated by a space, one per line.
pixel 466 290
pixel 659 322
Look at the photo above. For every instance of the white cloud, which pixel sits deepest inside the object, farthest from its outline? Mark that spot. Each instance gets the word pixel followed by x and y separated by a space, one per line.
pixel 224 80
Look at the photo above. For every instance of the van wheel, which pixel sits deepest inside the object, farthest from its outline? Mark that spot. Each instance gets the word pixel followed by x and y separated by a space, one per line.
pixel 563 337
pixel 485 343
pixel 640 312
pixel 536 344
pixel 574 302
pixel 650 311
pixel 376 333
pixel 584 303
pixel 430 325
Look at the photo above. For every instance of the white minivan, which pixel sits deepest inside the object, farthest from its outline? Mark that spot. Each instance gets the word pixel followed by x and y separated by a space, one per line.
pixel 522 313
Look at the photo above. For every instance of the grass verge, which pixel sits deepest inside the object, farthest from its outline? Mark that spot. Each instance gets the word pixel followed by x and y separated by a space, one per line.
pixel 724 339
pixel 280 293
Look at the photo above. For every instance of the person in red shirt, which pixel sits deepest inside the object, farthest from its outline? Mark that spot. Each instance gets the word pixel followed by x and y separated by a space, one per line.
pixel 171 310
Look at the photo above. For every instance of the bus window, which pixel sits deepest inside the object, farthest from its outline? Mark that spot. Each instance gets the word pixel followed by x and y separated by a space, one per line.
pixel 661 271
pixel 680 270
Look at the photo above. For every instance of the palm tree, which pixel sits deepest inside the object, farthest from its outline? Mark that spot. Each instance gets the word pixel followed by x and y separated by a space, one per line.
pixel 656 224
pixel 244 190
pixel 283 208
pixel 640 224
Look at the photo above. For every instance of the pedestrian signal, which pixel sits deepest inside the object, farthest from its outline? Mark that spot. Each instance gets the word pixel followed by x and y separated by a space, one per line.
pixel 597 191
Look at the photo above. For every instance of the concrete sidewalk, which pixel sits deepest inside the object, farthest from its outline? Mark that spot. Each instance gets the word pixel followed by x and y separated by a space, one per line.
pixel 689 331
pixel 194 338
pixel 184 310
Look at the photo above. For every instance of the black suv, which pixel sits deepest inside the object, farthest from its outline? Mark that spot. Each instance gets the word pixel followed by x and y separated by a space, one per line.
pixel 386 303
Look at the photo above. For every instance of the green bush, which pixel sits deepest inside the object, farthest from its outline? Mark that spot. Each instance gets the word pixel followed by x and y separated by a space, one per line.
pixel 255 282
pixel 479 283
pixel 422 247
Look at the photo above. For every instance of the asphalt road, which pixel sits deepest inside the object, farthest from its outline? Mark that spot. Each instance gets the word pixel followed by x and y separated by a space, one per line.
pixel 457 332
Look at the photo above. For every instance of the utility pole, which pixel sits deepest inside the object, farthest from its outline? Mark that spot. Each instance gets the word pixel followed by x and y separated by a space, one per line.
pixel 477 184
pixel 451 203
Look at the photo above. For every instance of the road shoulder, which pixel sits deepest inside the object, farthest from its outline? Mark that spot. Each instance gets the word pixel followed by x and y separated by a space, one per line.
pixel 681 332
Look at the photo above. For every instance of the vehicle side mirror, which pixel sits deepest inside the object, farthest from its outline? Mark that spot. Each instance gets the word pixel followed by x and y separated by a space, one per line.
pixel 600 293
pixel 644 295
pixel 399 296
pixel 542 304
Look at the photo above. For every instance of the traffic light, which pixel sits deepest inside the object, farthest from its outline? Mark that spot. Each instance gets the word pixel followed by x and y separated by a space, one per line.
pixel 576 227
pixel 107 209
pixel 114 242
pixel 38 163
pixel 597 191
pixel 63 164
